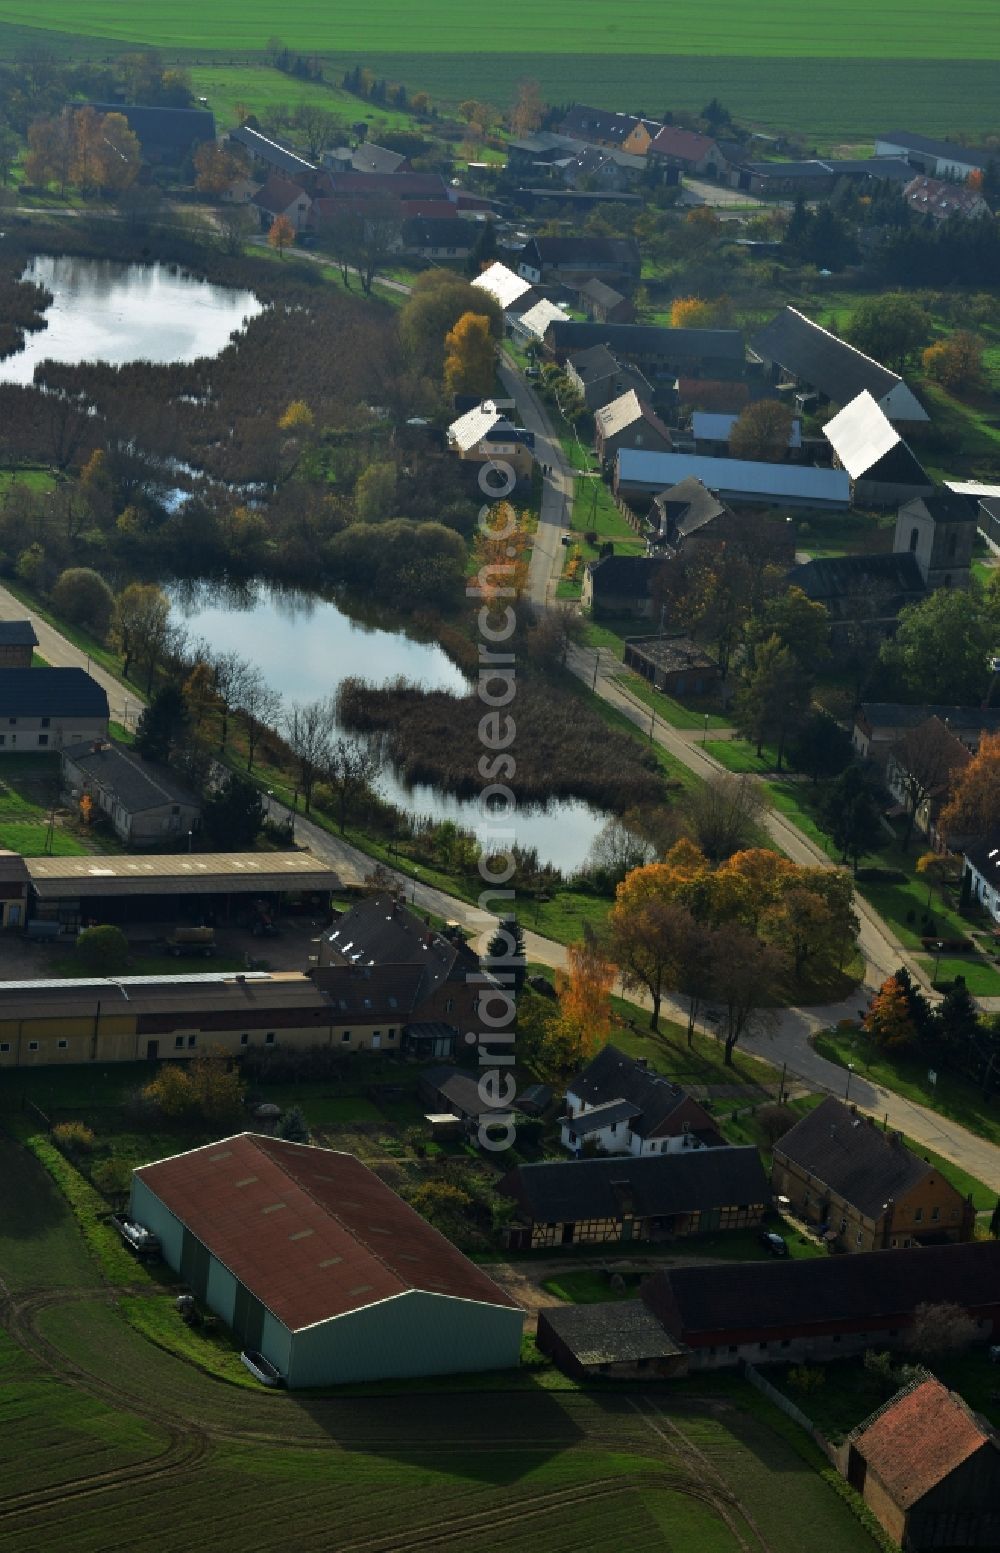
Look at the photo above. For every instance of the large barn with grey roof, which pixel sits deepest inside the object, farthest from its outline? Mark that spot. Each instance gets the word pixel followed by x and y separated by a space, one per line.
pixel 318 1265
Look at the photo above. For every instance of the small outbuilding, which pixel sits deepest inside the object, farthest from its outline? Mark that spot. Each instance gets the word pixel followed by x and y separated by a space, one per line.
pixel 615 1340
pixel 674 664
pixel 928 1468
pixel 143 803
pixel 17 644
pixel 320 1267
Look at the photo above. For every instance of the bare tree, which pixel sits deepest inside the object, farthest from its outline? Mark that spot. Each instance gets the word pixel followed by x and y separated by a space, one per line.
pixel 746 973
pixel 319 128
pixel 261 708
pixel 380 236
pixel 923 761
pixel 309 729
pixel 229 675
pixel 941 1329
pixel 725 813
pixel 350 771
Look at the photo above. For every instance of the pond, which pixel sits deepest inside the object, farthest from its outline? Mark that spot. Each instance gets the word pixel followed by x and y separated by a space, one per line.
pixel 106 311
pixel 305 646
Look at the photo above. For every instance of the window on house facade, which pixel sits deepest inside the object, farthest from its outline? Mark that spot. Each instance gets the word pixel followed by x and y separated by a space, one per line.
pixel 918 1215
pixel 178 1043
pixel 46 722
pixel 914 538
pixel 244 1039
pixel 32 1046
pixel 346 1036
pixel 269 1038
pixel 192 1042
pixel 62 1045
pixel 935 1214
pixel 43 739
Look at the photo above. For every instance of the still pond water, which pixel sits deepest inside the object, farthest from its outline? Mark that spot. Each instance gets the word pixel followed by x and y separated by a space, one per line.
pixel 306 646
pixel 105 311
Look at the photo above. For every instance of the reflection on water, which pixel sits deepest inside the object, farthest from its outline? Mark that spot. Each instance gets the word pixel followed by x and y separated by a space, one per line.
pixel 105 311
pixel 305 646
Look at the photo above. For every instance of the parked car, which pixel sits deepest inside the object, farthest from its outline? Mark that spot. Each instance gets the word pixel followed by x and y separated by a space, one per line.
pixel 192 940
pixel 777 1245
pixel 262 1369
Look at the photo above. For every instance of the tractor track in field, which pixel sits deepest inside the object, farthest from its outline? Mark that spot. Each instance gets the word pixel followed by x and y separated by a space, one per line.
pixel 186 1443
pixel 726 1504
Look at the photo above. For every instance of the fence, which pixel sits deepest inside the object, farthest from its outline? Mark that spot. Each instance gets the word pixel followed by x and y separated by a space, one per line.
pixel 788 1407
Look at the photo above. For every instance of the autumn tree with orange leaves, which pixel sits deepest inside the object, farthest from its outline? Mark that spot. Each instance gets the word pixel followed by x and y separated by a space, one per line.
pixel 281 235
pixel 974 806
pixel 584 1019
pixel 888 1020
pixel 502 548
pixel 470 356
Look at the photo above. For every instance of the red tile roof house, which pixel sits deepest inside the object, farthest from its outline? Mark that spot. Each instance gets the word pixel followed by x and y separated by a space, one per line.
pixel 679 151
pixel 316 1264
pixel 929 1470
pixel 280 197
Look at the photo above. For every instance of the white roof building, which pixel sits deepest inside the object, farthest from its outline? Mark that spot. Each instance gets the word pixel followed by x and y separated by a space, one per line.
pixel 538 318
pixel 502 285
pixel 470 429
pixel 875 456
pixel 735 480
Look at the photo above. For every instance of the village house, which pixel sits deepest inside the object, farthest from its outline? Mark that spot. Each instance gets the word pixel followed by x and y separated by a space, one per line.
pixel 928 1468
pixel 787 1311
pixel 600 127
pixel 484 436
pixel 599 378
pixel 815 178
pixel 628 422
pixel 618 1105
pixel 941 200
pixel 863 1188
pixel 938 158
pixel 922 788
pixel 939 531
pixel 801 356
pixel 280 197
pixel 660 353
pixel 621 585
pixel 595 167
pixel 382 930
pixel 883 470
pixel 509 291
pixel 438 237
pixel 17 644
pixel 981 874
pixel 46 709
pixel 272 153
pixel 867 588
pixel 365 158
pixel 675 665
pixel 878 725
pixel 682 510
pixel 548 260
pixel 640 475
pixel 530 324
pixel 601 1201
pixel 143 803
pixel 603 304
pixel 167 136
pixel 675 151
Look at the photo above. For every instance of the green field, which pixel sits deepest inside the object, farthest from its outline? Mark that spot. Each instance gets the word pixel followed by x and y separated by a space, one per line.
pixel 138 1448
pixel 896 29
pixel 827 70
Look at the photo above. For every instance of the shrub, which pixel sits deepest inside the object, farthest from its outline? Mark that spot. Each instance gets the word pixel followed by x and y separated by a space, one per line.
pixel 590 536
pixel 102 950
pixel 806 1378
pixel 74 1137
pixel 82 596
pixel 948 945
pixel 874 875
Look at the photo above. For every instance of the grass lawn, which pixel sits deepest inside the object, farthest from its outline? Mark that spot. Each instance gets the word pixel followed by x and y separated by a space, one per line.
pixel 261 88
pixel 586 1287
pixel 850 1392
pixel 739 755
pixel 31 477
pixel 981 977
pixel 666 707
pixel 952 1095
pixel 792 799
